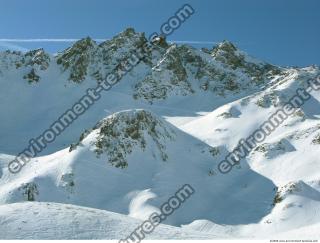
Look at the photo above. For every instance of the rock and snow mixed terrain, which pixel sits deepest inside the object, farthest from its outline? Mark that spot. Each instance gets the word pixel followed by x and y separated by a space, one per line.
pixel 167 123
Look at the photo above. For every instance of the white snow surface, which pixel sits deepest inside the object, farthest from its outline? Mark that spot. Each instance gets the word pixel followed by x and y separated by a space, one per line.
pixel 54 221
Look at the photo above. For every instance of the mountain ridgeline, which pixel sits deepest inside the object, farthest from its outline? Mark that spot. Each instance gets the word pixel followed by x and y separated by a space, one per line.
pixel 169 69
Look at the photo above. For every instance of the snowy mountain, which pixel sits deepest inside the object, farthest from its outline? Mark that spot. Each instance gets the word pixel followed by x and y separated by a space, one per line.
pixel 170 121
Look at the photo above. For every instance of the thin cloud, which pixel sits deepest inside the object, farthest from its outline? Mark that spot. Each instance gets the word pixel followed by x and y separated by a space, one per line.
pixel 99 40
pixel 195 42
pixel 43 40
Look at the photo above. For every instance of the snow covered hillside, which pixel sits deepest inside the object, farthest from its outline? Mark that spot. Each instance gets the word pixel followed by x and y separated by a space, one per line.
pixel 63 221
pixel 134 162
pixel 170 121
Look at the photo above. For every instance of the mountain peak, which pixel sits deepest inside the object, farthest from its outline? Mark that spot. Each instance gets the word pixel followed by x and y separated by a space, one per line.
pixel 227 46
pixel 122 133
pixel 226 52
pixel 77 58
pixel 128 32
pixel 85 42
pixel 230 56
pixel 127 36
pixel 80 46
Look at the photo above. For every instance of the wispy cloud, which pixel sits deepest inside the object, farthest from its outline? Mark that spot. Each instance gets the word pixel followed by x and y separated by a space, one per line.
pixel 194 42
pixel 14 44
pixel 99 40
pixel 43 40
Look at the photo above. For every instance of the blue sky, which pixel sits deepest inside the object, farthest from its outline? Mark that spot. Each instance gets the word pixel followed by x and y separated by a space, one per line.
pixel 283 32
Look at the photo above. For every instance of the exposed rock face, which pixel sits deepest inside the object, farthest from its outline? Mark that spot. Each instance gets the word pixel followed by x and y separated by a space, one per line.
pixel 229 55
pixel 29 191
pixel 296 188
pixel 37 58
pixel 124 132
pixel 77 58
pixel 168 77
pixel 316 139
pixel 32 63
pixel 88 59
pixel 271 150
pixel 170 70
pixel 182 70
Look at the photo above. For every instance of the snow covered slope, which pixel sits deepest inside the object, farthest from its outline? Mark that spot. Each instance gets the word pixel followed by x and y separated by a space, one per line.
pixel 134 158
pixel 52 221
